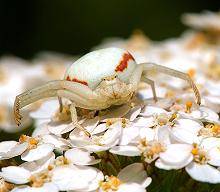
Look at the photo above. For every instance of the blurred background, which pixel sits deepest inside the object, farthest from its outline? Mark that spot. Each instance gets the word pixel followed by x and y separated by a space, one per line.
pixel 74 26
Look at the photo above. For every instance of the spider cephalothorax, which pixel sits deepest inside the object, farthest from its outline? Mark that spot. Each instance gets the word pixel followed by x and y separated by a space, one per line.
pixel 98 80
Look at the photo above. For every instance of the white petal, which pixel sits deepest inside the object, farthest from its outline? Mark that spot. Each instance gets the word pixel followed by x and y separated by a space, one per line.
pixel 203 173
pixel 46 110
pixel 18 149
pixel 125 150
pixel 177 155
pixel 117 112
pixel 57 141
pixel 144 121
pixel 39 152
pixel 67 178
pixel 129 134
pixel 80 157
pixel 6 146
pixel 39 165
pixel 133 113
pixel 189 125
pixel 182 135
pixel 131 187
pixel 147 133
pixel 163 134
pixel 59 128
pixel 73 178
pixel 112 134
pixel 14 174
pixel 151 110
pixel 94 184
pixel 99 129
pixel 40 129
pixel 47 187
pixel 90 124
pixel 161 165
pixel 213 102
pixel 209 143
pixel 214 155
pixel 134 173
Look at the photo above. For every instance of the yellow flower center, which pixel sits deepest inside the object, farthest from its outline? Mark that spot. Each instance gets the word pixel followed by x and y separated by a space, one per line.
pixel 165 119
pixel 32 142
pixel 61 160
pixel 200 156
pixel 150 149
pixel 5 186
pixel 110 184
pixel 38 179
pixel 64 115
pixel 210 130
pixel 188 106
pixel 191 72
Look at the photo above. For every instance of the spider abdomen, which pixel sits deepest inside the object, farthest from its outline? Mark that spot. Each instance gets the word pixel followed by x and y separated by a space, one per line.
pixel 90 69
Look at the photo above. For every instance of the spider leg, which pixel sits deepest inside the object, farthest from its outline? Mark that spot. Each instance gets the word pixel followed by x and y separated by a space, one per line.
pixel 74 120
pixel 60 103
pixel 152 84
pixel 162 69
pixel 50 90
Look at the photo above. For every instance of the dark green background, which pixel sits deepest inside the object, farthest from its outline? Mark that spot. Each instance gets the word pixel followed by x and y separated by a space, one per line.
pixel 74 26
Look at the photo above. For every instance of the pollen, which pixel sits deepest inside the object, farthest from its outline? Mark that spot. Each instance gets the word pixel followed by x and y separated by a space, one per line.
pixel 5 186
pixel 124 122
pixel 38 179
pixel 188 106
pixel 124 62
pixel 32 142
pixel 191 72
pixel 199 155
pixel 110 184
pixel 61 160
pixel 64 115
pixel 150 149
pixel 210 130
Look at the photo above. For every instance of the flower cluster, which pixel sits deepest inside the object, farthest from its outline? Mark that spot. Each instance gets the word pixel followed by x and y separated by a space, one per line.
pixel 125 141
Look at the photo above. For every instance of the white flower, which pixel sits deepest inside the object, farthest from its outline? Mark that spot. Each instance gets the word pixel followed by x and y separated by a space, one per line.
pixel 80 157
pixel 9 149
pixel 199 160
pixel 30 149
pixel 132 178
pixel 76 178
pixel 98 142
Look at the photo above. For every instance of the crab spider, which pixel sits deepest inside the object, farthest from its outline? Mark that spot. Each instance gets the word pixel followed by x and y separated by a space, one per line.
pixel 98 80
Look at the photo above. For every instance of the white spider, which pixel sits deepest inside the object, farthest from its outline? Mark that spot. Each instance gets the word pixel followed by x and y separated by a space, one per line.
pixel 97 81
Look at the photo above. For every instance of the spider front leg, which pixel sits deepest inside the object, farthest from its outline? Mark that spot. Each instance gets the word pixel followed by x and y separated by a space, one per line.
pixel 50 89
pixel 75 121
pixel 162 69
pixel 152 85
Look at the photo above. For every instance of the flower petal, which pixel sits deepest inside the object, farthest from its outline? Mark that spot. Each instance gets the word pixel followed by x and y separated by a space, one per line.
pixel 80 157
pixel 203 173
pixel 126 150
pixel 177 155
pixel 134 173
pixel 14 174
pixel 39 152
